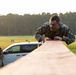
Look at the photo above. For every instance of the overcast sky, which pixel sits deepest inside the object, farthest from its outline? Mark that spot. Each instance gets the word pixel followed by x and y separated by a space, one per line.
pixel 36 6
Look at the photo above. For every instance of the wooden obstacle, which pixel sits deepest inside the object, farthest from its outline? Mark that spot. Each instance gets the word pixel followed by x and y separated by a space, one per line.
pixel 52 58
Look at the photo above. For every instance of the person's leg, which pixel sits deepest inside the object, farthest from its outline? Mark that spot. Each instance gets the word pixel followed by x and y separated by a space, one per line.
pixel 1 62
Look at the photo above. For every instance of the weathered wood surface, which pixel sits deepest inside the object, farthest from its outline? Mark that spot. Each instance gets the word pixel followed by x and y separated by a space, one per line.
pixel 52 58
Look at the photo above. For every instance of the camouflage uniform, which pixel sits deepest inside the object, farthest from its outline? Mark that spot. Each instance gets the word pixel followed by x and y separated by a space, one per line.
pixel 63 32
pixel 1 57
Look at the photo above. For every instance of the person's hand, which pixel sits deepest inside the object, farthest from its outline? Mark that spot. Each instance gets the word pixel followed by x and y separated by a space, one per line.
pixel 42 39
pixel 47 39
pixel 58 38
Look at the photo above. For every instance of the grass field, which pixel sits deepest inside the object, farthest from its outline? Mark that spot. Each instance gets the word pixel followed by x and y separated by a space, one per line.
pixel 8 40
pixel 72 47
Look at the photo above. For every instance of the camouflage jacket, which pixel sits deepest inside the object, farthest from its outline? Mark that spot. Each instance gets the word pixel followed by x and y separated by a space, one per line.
pixel 64 32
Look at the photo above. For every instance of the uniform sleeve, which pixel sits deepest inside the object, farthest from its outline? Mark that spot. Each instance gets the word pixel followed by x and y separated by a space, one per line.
pixel 69 36
pixel 40 32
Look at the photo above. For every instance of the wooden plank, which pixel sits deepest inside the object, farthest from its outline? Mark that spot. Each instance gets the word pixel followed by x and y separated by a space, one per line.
pixel 52 58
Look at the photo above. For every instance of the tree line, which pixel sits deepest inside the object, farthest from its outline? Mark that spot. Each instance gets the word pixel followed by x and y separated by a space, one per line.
pixel 14 24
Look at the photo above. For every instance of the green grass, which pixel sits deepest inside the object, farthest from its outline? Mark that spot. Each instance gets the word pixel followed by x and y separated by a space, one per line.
pixel 6 41
pixel 72 47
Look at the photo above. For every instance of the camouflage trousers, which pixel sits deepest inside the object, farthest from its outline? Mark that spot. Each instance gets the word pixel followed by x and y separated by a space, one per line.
pixel 1 62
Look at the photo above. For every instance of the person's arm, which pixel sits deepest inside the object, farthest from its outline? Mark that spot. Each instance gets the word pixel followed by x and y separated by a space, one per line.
pixel 69 36
pixel 40 32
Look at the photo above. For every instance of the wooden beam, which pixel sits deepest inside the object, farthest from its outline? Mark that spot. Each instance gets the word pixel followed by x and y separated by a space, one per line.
pixel 52 58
